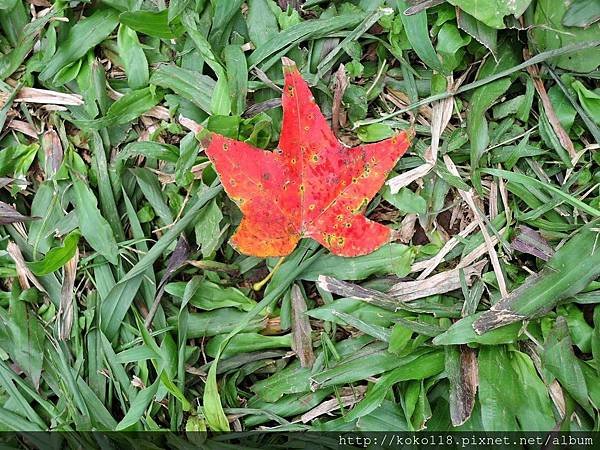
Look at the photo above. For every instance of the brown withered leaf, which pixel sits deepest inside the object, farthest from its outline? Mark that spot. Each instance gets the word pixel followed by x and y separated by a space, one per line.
pixel 66 307
pixel 436 284
pixel 8 214
pixel 23 273
pixel 530 241
pixel 53 150
pixel 177 259
pixel 301 331
pixel 341 83
pixel 561 134
pixel 45 97
pixel 463 374
pixel 348 398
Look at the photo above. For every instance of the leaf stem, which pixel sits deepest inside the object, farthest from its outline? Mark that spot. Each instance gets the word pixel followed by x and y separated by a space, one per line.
pixel 259 284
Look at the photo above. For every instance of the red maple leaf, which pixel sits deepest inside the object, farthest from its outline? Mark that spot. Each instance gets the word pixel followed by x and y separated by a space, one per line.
pixel 310 186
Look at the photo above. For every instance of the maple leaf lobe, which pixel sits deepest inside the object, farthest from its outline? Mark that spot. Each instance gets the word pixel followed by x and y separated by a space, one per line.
pixel 312 186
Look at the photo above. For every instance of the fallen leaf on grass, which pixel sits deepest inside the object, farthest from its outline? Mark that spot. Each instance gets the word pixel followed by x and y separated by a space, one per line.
pixel 311 186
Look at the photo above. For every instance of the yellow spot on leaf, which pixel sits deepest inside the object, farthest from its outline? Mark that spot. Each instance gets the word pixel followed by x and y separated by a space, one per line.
pixel 364 202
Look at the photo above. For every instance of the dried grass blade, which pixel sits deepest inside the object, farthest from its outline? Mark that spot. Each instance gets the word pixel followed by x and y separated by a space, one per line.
pixel 66 308
pixel 468 197
pixel 301 331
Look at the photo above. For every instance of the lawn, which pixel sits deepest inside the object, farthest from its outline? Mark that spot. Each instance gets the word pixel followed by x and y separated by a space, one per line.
pixel 466 303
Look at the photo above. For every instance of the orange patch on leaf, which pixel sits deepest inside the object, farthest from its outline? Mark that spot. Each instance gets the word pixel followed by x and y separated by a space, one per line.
pixel 313 187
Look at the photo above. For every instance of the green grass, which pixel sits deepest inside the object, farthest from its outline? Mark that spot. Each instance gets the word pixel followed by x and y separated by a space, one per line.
pixel 122 306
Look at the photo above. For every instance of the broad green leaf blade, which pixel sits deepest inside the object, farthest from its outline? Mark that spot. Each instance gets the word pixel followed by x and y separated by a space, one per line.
pixel 94 228
pixel 138 406
pixel 126 109
pixel 151 23
pixel 567 273
pixel 83 36
pixel 506 378
pixel 482 33
pixel 134 59
pixel 582 13
pixel 57 256
pixel 483 98
pixel 389 259
pixel 561 362
pixel 418 36
pixel 425 366
pixel 298 33
pixel 549 33
pixel 191 85
pixel 494 12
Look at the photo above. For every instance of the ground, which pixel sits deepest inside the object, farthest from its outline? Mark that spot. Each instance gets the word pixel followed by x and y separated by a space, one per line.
pixel 123 305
